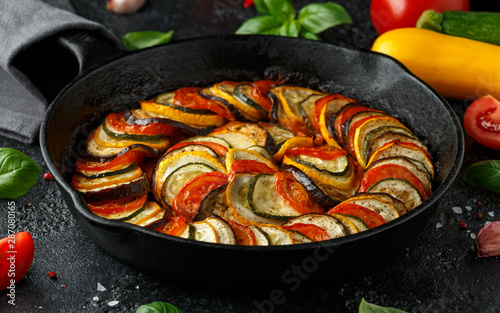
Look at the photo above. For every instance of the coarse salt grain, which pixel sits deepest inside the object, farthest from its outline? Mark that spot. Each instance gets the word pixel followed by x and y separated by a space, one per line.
pixel 469 208
pixel 439 225
pixel 457 209
pixel 491 213
pixel 113 303
pixel 96 298
pixel 473 236
pixel 100 287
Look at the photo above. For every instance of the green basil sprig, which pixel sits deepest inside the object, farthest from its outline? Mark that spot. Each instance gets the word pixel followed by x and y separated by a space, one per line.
pixel 18 173
pixel 147 38
pixel 280 18
pixel 366 307
pixel 158 307
pixel 484 174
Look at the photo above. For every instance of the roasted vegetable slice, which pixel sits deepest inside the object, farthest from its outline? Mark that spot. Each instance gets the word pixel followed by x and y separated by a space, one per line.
pixel 152 216
pixel 333 226
pixel 248 94
pixel 126 190
pixel 369 217
pixel 261 237
pixel 235 139
pixel 244 234
pixel 225 233
pixel 385 208
pixel 277 235
pixel 399 189
pixel 119 210
pixel 225 90
pixel 234 156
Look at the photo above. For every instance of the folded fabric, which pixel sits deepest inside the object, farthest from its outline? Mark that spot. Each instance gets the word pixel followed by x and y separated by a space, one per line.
pixel 28 32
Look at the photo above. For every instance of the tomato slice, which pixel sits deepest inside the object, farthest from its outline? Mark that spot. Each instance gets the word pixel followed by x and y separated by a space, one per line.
pixel 218 148
pixel 250 166
pixel 132 156
pixel 118 122
pixel 320 104
pixel 174 226
pixel 260 90
pixel 346 113
pixel 190 98
pixel 294 194
pixel 482 121
pixel 16 255
pixel 117 206
pixel 188 200
pixel 349 144
pixel 243 233
pixel 392 171
pixel 323 152
pixel 314 232
pixel 370 218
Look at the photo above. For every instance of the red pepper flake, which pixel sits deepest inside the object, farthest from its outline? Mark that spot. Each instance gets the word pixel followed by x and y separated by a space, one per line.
pixel 463 225
pixel 479 215
pixel 48 176
pixel 479 203
pixel 63 286
pixel 52 274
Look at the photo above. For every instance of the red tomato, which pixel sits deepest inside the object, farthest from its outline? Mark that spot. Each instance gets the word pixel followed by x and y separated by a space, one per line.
pixel 482 121
pixel 315 233
pixel 174 226
pixel 188 200
pixel 133 156
pixel 371 218
pixel 392 171
pixel 16 256
pixel 190 98
pixel 118 122
pixel 294 194
pixel 250 166
pixel 112 207
pixel 243 233
pixel 260 90
pixel 323 152
pixel 391 14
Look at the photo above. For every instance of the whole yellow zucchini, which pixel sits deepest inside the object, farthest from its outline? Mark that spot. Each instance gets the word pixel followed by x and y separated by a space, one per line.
pixel 456 67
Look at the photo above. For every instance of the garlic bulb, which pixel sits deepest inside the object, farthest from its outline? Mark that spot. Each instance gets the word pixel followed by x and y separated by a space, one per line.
pixel 488 240
pixel 124 6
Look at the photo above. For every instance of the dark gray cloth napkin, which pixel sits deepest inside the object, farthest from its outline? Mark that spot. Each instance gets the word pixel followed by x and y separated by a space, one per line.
pixel 24 23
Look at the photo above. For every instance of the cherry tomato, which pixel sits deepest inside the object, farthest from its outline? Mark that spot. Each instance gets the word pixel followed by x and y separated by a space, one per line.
pixel 243 233
pixel 482 121
pixel 294 194
pixel 371 218
pixel 190 98
pixel 323 152
pixel 16 255
pixel 118 122
pixel 392 171
pixel 391 14
pixel 315 233
pixel 188 200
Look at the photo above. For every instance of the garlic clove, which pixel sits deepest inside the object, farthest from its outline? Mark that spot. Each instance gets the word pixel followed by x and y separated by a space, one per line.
pixel 488 240
pixel 124 6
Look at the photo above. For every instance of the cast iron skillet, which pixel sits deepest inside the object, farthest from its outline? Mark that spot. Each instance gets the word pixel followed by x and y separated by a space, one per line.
pixel 370 78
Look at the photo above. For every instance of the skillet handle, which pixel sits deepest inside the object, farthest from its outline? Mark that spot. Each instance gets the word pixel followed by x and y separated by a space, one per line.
pixel 52 63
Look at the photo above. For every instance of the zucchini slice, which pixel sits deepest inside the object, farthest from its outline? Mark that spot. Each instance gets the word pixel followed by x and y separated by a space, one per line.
pixel 188 232
pixel 401 149
pixel 204 231
pixel 264 200
pixel 370 130
pixel 290 98
pixel 398 205
pixel 129 189
pixel 356 221
pixel 178 178
pixel 208 138
pixel 191 148
pixel 151 217
pixel 237 194
pixel 277 235
pixel 118 170
pixel 128 174
pixel 399 189
pixel 350 227
pixel 254 131
pixel 389 137
pixel 225 232
pixel 327 114
pixel 337 167
pixel 261 151
pixel 384 208
pixel 104 140
pixel 306 107
pixel 333 226
pixel 235 139
pixel 210 93
pixel 261 237
pixel 244 93
pixel 278 134
pixel 114 133
pixel 122 216
pixel 225 90
pixel 298 237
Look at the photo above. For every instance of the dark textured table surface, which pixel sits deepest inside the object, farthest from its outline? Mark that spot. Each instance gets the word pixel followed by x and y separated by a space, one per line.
pixel 438 272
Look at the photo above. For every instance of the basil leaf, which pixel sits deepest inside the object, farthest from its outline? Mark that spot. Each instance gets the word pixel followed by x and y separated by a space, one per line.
pixel 18 173
pixel 265 24
pixel 282 10
pixel 261 6
pixel 158 307
pixel 317 17
pixel 290 28
pixel 309 35
pixel 143 39
pixel 366 307
pixel 484 174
